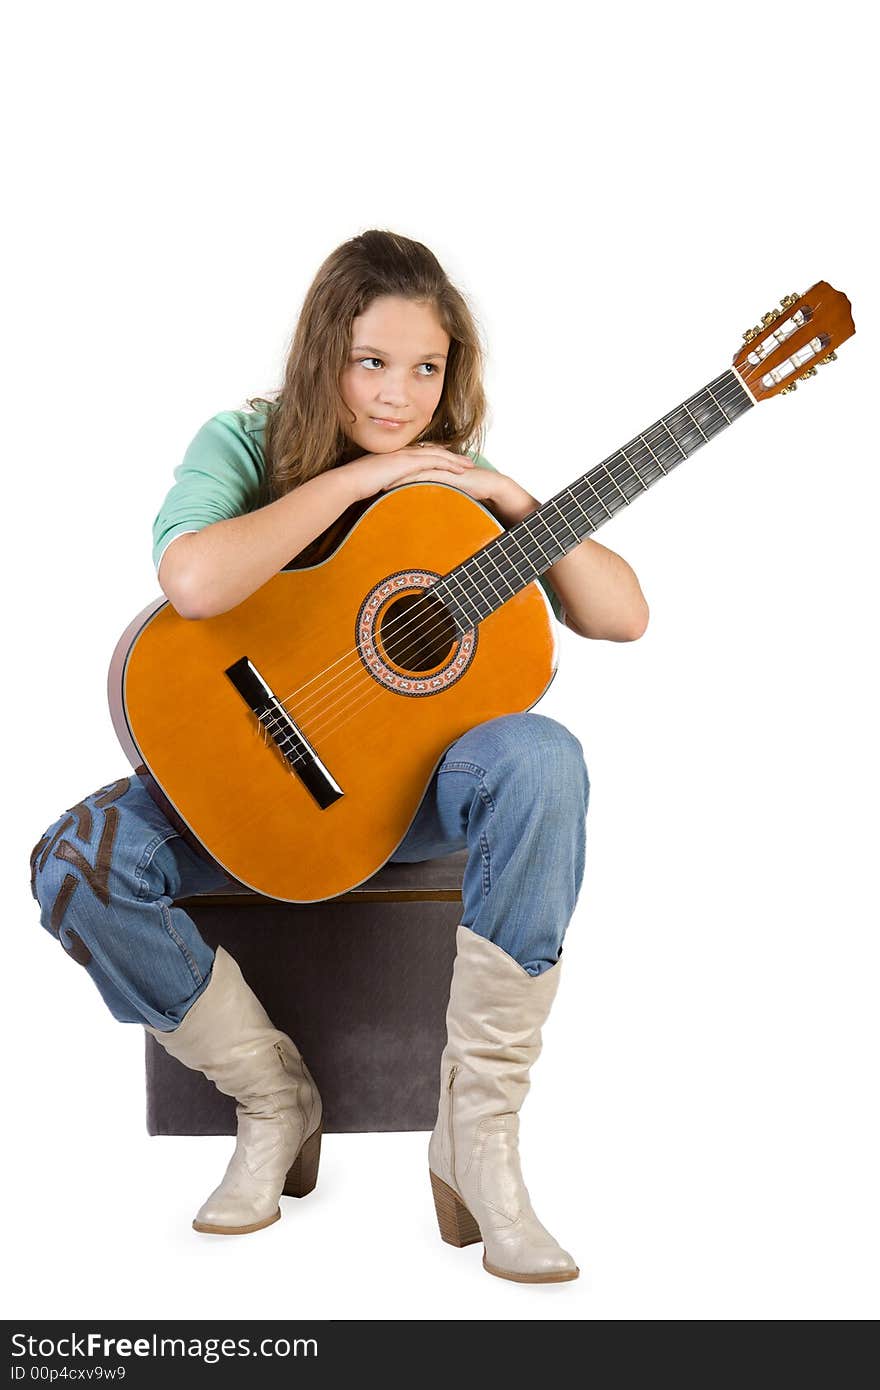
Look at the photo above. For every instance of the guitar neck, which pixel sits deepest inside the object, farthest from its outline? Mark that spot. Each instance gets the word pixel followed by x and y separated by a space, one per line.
pixel 487 579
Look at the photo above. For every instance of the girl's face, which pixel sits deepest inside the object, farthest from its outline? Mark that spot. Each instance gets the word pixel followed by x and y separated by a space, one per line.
pixel 395 372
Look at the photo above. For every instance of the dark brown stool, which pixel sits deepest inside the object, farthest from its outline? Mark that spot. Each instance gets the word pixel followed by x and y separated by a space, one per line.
pixel 359 982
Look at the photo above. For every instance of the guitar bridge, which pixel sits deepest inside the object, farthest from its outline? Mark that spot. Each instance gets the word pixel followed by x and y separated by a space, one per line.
pixel 284 733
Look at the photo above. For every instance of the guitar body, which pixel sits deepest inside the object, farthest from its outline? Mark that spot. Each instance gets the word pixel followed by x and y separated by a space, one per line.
pixel 294 737
pixel 372 719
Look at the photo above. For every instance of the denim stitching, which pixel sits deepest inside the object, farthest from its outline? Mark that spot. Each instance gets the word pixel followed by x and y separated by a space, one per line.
pixel 178 939
pixel 147 859
pixel 484 854
pixel 478 772
pixel 486 798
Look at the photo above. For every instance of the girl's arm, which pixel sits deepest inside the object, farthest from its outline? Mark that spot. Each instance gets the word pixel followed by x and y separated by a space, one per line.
pixel 207 572
pixel 600 591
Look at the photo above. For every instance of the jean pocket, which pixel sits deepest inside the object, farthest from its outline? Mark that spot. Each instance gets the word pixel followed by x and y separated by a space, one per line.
pixel 157 876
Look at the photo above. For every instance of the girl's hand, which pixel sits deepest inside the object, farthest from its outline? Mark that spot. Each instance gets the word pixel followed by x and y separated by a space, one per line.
pixel 482 483
pixel 374 473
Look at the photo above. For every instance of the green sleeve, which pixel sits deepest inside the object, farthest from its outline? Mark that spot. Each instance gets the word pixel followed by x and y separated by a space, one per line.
pixel 219 477
pixel 555 601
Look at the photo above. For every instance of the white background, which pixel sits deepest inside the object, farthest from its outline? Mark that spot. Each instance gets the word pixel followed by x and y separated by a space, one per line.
pixel 620 192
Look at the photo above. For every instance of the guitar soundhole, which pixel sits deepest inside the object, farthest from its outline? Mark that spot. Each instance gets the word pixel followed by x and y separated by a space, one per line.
pixel 407 639
pixel 416 633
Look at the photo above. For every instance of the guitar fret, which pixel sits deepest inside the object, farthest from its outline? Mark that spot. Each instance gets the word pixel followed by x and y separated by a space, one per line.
pixel 671 451
pixel 627 458
pixel 514 538
pixel 626 477
pixel 539 517
pixel 653 455
pixel 587 480
pixel 617 485
pixel 684 407
pixel 710 418
pixel 487 554
pixel 718 404
pixel 684 430
pixel 673 438
pixel 577 535
pixel 584 514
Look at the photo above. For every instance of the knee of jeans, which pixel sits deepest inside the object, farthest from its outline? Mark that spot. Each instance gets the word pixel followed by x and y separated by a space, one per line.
pixel 53 885
pixel 45 880
pixel 114 842
pixel 546 756
pixel 84 859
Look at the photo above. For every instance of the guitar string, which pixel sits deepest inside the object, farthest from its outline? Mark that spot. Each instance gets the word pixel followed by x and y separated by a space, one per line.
pixel 726 394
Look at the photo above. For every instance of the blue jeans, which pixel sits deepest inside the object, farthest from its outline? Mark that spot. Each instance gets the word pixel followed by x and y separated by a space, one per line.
pixel 513 791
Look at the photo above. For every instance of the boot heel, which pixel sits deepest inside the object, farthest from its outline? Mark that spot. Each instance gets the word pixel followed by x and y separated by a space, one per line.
pixel 457 1226
pixel 303 1174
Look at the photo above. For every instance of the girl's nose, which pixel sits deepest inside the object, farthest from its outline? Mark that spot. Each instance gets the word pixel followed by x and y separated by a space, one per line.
pixel 395 392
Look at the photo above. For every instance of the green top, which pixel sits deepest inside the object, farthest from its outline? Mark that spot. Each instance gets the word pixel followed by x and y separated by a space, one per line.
pixel 221 476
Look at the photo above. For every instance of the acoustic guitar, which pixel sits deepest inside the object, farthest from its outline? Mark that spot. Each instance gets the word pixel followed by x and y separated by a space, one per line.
pixel 293 737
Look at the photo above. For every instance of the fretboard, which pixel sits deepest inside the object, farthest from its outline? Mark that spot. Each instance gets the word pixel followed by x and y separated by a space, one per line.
pixel 491 576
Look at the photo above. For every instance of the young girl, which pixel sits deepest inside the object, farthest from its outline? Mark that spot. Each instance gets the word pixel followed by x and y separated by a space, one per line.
pixel 382 387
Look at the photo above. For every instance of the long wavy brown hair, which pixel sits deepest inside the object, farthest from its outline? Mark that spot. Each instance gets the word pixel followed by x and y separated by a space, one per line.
pixel 303 435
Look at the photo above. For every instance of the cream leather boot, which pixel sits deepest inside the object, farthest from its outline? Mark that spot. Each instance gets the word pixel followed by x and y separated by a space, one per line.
pixel 228 1035
pixel 494 1019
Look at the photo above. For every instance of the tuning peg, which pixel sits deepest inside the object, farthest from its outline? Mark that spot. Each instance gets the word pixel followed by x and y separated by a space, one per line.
pixel 751 334
pixel 770 317
pixel 789 299
pixel 791 387
pixel 832 357
pixel 811 371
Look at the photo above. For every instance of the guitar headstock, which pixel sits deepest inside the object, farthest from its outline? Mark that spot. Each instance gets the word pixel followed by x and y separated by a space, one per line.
pixel 793 341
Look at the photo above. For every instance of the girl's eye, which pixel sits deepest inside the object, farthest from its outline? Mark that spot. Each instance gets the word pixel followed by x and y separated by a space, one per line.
pixel 433 372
